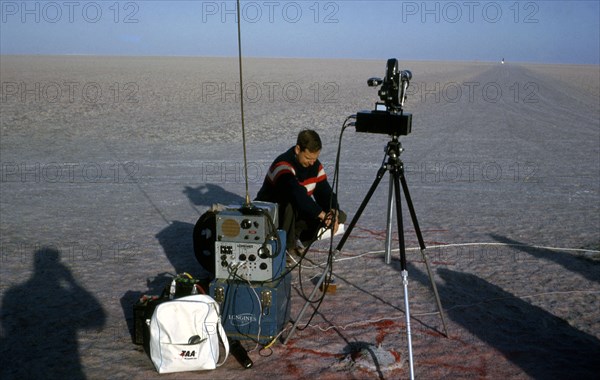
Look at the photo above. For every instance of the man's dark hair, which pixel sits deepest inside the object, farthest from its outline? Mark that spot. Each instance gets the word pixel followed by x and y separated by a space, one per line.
pixel 309 139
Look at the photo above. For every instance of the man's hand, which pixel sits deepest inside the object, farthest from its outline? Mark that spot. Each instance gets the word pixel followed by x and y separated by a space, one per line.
pixel 327 218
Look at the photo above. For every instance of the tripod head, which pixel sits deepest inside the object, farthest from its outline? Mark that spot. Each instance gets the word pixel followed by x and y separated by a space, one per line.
pixel 394 148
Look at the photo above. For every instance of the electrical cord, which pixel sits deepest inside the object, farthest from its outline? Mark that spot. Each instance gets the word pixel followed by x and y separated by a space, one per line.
pixel 358 256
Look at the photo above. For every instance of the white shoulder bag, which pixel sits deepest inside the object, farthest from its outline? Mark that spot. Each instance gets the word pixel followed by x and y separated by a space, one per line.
pixel 185 335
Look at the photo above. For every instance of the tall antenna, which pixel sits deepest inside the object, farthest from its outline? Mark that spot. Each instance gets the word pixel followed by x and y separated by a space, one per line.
pixel 239 22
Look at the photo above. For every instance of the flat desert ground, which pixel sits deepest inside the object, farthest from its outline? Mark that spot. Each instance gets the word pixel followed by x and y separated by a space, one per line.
pixel 108 162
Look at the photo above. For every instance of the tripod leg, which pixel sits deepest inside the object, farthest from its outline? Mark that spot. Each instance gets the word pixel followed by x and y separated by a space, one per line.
pixel 411 209
pixel 413 216
pixel 408 334
pixel 388 231
pixel 396 176
pixel 435 292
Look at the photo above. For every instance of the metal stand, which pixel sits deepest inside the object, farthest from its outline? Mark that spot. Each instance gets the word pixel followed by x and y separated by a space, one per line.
pixel 396 168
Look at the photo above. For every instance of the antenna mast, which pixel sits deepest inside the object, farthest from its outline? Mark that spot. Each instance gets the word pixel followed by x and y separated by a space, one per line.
pixel 239 22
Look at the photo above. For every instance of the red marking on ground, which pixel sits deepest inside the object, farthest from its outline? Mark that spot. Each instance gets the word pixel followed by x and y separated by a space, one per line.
pixel 372 232
pixel 293 370
pixel 382 330
pixel 435 243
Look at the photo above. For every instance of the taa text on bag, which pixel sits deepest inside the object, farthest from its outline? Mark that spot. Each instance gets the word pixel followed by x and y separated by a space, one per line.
pixel 188 354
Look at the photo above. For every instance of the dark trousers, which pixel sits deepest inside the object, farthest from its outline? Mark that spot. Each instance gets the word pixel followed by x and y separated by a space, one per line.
pixel 299 228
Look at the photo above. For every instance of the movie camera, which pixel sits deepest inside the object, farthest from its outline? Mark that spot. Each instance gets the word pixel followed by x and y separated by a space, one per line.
pixel 388 117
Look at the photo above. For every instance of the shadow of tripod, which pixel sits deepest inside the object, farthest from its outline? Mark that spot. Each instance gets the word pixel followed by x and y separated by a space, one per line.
pixel 396 168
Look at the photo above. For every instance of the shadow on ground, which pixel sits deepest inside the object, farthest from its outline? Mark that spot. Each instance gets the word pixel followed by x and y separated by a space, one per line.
pixel 541 344
pixel 41 321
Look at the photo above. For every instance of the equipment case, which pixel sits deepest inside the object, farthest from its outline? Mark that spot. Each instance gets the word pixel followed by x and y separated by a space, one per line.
pixel 244 317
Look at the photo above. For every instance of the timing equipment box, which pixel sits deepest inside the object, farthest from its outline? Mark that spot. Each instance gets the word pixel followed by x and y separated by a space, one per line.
pixel 255 262
pixel 248 245
pixel 247 225
pixel 253 311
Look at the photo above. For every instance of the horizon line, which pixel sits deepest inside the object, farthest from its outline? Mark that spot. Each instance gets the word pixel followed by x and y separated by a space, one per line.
pixel 284 57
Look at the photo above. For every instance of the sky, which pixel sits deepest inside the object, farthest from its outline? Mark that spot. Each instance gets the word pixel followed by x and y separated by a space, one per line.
pixel 523 31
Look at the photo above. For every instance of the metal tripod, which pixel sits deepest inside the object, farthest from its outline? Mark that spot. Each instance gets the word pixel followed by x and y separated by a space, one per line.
pixel 396 168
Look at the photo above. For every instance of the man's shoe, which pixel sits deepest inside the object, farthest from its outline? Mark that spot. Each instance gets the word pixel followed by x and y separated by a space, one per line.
pixel 299 251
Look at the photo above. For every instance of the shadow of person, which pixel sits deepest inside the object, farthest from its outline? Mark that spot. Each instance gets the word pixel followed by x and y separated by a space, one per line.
pixel 177 238
pixel 541 344
pixel 572 263
pixel 176 241
pixel 40 321
pixel 194 240
pixel 209 194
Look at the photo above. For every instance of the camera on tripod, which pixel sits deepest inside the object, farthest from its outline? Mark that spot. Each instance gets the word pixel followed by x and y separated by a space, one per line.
pixel 388 117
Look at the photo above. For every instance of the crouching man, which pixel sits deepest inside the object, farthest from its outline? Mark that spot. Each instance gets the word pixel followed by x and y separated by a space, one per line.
pixel 297 182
